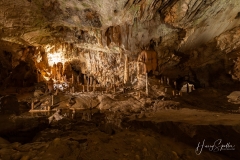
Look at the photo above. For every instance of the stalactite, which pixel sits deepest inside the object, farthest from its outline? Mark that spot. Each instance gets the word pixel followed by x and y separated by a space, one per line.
pixel 101 37
pixel 147 84
pixel 108 39
pixel 88 84
pixel 111 33
pixel 66 48
pixel 138 71
pixel 105 79
pixel 91 80
pixel 119 36
pixel 78 79
pixel 72 79
pixel 127 33
pixel 32 105
pixel 94 85
pixel 84 77
pixel 71 49
pixel 126 70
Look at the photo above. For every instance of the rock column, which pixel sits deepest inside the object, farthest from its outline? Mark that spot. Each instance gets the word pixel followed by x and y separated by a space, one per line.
pixel 126 71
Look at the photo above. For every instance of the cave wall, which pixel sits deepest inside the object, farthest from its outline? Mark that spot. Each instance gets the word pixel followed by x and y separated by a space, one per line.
pixel 190 36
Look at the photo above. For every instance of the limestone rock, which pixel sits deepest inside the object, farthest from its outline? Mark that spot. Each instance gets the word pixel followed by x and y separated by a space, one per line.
pixel 160 105
pixel 37 93
pixel 234 97
pixel 126 105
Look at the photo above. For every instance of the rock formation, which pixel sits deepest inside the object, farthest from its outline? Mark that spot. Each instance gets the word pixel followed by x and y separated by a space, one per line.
pixel 184 34
pixel 129 59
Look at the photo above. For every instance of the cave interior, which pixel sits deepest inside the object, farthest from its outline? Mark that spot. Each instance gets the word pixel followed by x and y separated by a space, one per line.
pixel 119 79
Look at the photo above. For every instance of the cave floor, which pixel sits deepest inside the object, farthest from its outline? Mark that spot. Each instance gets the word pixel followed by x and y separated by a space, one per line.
pixel 169 132
pixel 164 135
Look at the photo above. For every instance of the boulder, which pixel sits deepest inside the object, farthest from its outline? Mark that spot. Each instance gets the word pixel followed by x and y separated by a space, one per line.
pixel 234 97
pixel 85 102
pixel 37 93
pixel 128 104
pixel 160 105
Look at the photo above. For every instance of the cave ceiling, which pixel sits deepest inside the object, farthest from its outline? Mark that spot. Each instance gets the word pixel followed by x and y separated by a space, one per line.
pixel 37 22
pixel 200 28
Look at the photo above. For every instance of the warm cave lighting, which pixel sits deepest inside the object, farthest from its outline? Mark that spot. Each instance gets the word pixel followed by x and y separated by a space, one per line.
pixel 54 56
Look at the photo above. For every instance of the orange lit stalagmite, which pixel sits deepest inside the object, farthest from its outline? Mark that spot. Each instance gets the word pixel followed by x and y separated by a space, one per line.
pixel 54 71
pixel 149 59
pixel 126 71
pixel 59 70
pixel 67 70
pixel 50 86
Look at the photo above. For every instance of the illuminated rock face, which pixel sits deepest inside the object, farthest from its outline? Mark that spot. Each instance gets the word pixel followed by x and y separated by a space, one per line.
pixel 149 58
pixel 95 36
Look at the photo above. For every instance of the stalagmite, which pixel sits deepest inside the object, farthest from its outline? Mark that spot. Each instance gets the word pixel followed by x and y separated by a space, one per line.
pixel 165 89
pixel 56 92
pixel 126 71
pixel 73 90
pixel 161 80
pixel 83 88
pixel 73 113
pixel 50 85
pixel 32 105
pixel 54 71
pixel 84 79
pixel 180 93
pixel 94 85
pixel 167 81
pixel 145 68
